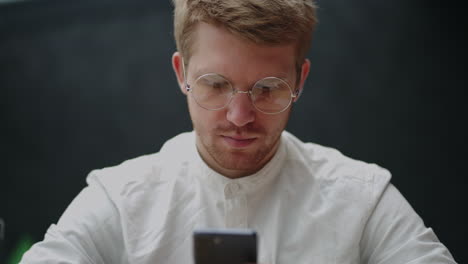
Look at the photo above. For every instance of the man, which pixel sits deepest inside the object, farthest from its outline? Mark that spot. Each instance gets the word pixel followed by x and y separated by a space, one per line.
pixel 241 65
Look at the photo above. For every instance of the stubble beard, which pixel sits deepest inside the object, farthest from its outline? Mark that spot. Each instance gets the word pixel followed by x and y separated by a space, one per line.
pixel 249 160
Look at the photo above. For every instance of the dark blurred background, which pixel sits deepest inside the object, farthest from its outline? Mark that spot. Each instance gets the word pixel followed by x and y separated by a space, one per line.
pixel 89 84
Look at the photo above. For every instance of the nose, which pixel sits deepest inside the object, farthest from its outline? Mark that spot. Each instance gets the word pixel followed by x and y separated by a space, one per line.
pixel 240 110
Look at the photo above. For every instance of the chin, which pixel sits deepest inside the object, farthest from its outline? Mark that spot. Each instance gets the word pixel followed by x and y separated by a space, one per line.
pixel 242 160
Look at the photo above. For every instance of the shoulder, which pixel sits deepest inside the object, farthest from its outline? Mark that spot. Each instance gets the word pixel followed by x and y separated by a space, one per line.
pixel 119 181
pixel 335 175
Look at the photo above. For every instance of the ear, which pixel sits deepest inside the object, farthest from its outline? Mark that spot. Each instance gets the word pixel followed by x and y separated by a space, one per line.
pixel 305 68
pixel 177 65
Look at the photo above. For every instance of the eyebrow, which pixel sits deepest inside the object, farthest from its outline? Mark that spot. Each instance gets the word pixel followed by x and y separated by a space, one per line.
pixel 201 71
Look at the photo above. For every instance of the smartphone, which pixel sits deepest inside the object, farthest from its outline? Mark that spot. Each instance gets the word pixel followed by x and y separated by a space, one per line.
pixel 226 246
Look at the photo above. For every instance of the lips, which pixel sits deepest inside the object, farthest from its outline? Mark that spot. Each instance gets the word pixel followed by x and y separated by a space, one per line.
pixel 238 142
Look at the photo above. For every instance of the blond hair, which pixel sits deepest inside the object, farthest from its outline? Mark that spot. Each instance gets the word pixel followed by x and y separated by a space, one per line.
pixel 268 22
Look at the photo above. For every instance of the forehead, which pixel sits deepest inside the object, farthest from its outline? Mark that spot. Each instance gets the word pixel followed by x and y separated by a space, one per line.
pixel 217 50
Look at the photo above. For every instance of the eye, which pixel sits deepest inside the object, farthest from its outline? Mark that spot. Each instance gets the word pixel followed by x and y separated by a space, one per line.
pixel 218 85
pixel 215 83
pixel 265 88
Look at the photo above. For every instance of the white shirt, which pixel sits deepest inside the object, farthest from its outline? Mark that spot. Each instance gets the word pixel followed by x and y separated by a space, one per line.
pixel 309 204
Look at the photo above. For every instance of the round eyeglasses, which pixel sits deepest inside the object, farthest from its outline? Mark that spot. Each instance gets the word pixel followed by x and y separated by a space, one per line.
pixel 270 95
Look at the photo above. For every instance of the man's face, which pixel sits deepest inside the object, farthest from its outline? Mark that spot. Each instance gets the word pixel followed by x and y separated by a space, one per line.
pixel 238 140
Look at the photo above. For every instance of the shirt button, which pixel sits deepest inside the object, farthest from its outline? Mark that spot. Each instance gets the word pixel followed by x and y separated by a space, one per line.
pixel 235 187
pixel 231 189
pixel 227 191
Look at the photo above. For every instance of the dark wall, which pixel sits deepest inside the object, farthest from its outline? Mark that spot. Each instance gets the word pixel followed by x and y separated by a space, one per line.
pixel 89 85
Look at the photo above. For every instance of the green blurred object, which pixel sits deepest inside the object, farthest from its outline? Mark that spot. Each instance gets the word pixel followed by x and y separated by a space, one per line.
pixel 23 245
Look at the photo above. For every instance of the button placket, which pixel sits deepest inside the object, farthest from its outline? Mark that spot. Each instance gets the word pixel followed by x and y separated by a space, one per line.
pixel 236 206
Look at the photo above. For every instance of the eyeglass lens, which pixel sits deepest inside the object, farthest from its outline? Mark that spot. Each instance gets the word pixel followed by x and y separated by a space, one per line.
pixel 269 95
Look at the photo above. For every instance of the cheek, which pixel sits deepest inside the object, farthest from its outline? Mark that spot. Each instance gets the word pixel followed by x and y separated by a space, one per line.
pixel 203 120
pixel 277 125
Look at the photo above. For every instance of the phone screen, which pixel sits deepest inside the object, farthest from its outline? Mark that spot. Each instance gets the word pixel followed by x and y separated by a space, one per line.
pixel 226 246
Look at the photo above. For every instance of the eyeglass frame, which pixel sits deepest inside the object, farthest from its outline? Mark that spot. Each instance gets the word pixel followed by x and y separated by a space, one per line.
pixel 295 94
